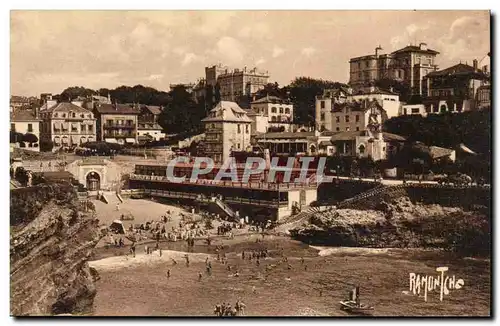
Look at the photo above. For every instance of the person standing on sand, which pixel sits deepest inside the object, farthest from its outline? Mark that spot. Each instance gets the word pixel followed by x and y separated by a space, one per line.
pixel 199 276
pixel 168 273
pixel 160 252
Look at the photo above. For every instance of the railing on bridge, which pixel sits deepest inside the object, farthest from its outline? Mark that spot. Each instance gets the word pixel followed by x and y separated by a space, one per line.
pixel 310 183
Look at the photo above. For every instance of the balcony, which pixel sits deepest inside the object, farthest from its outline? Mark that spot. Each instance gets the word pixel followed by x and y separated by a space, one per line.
pixel 119 126
pixel 122 135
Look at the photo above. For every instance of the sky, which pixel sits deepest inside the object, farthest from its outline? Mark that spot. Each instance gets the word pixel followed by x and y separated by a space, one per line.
pixel 52 50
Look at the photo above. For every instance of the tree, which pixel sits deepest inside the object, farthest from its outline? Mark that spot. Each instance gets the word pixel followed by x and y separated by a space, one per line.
pixel 46 145
pixel 303 92
pixel 30 138
pixel 403 89
pixel 72 93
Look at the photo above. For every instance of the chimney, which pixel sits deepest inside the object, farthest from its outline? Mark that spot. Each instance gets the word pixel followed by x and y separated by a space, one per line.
pixel 423 46
pixel 474 64
pixel 37 112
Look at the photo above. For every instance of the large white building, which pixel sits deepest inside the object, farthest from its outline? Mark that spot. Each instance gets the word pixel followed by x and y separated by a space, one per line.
pixel 340 110
pixel 227 129
pixel 271 112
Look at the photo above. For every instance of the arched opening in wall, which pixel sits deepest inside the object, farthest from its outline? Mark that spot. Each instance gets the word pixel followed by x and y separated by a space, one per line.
pixel 443 108
pixel 93 181
pixel 361 149
pixel 313 149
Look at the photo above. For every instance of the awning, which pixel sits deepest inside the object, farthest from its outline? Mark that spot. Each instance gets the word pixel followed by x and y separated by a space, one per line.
pixel 111 140
pixel 130 140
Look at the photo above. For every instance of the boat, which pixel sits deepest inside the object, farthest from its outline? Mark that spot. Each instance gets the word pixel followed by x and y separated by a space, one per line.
pixel 353 304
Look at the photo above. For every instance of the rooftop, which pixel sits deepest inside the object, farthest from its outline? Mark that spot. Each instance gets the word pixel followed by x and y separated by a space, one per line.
pixel 227 111
pixel 23 115
pixel 414 48
pixel 116 109
pixel 271 99
pixel 285 135
pixel 350 135
pixel 458 69
pixel 66 107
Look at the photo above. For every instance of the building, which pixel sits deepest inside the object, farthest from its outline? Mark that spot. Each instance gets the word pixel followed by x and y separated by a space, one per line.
pixel 454 89
pixel 356 116
pixel 67 125
pixel 483 97
pixel 18 102
pixel 117 123
pixel 236 83
pixel 414 109
pixel 227 128
pixel 408 65
pixel 277 112
pixel 386 98
pixel 26 122
pixel 367 143
pixel 324 105
pixel 148 127
pixel 47 101
pixel 296 143
pixel 96 173
pixel 200 91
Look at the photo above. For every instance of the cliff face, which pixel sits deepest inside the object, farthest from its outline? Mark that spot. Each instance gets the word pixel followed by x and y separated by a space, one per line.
pixel 51 240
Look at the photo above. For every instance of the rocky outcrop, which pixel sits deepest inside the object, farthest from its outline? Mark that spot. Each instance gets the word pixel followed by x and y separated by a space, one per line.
pixel 400 223
pixel 51 240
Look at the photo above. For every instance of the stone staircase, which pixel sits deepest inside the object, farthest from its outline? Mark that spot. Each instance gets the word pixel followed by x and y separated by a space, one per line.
pixel 371 198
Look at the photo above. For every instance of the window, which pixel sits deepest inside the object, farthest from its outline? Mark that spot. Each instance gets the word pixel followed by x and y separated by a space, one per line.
pixel 64 115
pixel 405 112
pixel 239 128
pixel 238 145
pixel 273 119
pixel 82 128
pixel 287 111
pixel 346 118
pixel 13 126
pixel 91 128
pixel 337 119
pixel 74 115
pixel 30 127
pixel 347 129
pixel 82 115
pixel 357 128
pixel 338 129
pixel 322 104
pixel 322 117
pixel 415 110
pixel 247 129
pixel 367 64
pixel 361 149
pixel 357 117
pixel 281 110
pixel 55 115
pixel 273 110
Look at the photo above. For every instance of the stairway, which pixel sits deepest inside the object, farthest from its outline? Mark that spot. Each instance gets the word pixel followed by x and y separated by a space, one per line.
pixel 370 199
pixel 222 205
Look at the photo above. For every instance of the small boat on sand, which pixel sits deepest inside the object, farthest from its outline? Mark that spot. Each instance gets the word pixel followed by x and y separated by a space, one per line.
pixel 354 305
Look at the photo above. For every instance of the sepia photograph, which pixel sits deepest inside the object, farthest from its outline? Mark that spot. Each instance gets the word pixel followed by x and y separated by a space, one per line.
pixel 250 163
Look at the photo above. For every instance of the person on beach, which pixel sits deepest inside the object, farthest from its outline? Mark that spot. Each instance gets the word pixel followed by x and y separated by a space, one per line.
pixel 199 276
pixel 168 273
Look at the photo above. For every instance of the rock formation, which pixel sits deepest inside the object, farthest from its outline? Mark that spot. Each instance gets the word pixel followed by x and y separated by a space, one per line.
pixel 51 240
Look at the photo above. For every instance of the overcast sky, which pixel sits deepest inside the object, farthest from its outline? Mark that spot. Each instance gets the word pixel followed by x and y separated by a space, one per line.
pixel 51 50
